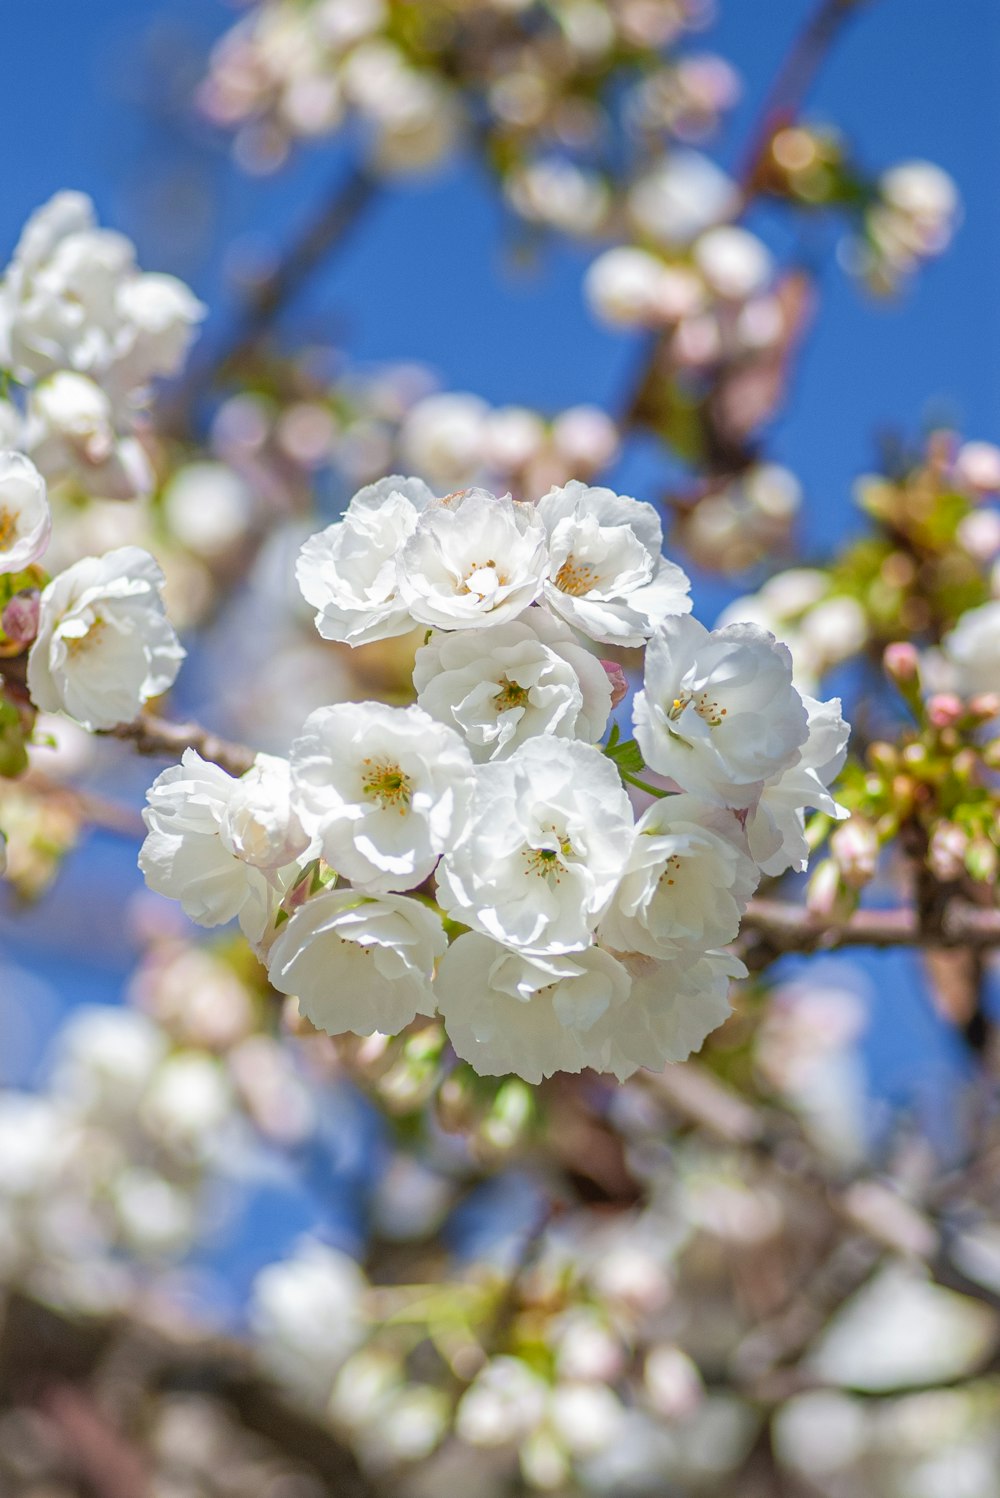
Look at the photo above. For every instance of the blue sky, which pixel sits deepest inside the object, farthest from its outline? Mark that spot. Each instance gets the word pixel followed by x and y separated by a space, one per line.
pixel 428 279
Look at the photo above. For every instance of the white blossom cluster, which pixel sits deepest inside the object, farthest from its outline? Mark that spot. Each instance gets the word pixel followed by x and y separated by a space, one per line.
pixel 912 219
pixel 83 334
pixel 297 70
pixel 689 271
pixel 476 853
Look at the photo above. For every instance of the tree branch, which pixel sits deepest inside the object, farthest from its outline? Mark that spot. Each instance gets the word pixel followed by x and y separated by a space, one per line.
pixel 326 231
pixel 155 736
pixel 784 927
pixel 794 80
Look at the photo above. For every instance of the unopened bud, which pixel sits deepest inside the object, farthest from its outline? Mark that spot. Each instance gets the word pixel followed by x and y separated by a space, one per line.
pixel 965 763
pixel 617 680
pixel 945 710
pixel 883 756
pixel 826 894
pixel 20 617
pixel 902 662
pixel 946 854
pixel 985 706
pixel 855 848
pixel 982 860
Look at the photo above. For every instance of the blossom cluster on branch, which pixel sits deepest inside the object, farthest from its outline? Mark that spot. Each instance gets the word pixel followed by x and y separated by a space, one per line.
pixel 579 936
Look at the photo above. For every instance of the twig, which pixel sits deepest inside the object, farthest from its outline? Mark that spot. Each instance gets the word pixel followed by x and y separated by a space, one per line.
pixel 326 231
pixel 785 927
pixel 794 80
pixel 155 736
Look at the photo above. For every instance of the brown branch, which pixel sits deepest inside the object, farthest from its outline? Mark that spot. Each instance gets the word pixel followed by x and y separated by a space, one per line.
pixel 155 736
pixel 784 927
pixel 794 81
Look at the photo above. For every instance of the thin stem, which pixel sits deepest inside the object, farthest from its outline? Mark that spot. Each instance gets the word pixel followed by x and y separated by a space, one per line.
pixel 643 785
pixel 326 231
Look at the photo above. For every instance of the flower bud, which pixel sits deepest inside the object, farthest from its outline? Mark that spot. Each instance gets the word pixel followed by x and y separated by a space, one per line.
pixel 20 617
pixel 977 466
pixel 945 710
pixel 946 854
pixel 982 860
pixel 855 849
pixel 902 663
pixel 985 706
pixel 882 756
pixel 617 680
pixel 826 892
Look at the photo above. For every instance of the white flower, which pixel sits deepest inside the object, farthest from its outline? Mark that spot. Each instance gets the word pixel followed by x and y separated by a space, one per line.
pixel 973 649
pixel 445 436
pixel 549 834
pixel 189 1102
pixel 260 823
pixel 58 301
pixel 776 829
pixel 106 1058
pixel 503 685
pixel 927 195
pixel 357 963
pixel 73 299
pixel 473 560
pixel 504 1403
pixel 189 853
pixel 686 884
pixel 161 317
pixel 629 287
pixel 71 433
pixel 505 1012
pixel 384 789
pixel 681 197
pixel 734 262
pixel 208 507
pixel 718 712
pixel 25 517
pixel 606 574
pixel 104 645
pixel 306 1316
pixel 672 1007
pixel 349 571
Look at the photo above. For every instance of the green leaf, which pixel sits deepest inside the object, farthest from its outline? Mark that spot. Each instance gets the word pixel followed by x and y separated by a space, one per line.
pixel 625 752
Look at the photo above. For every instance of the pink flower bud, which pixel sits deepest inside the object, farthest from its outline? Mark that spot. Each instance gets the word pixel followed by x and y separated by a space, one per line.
pixel 985 705
pixel 902 662
pixel 945 710
pixel 978 467
pixel 20 618
pixel 617 680
pixel 855 849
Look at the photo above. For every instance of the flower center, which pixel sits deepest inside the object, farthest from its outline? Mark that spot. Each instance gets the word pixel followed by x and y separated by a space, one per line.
pixel 671 869
pixel 549 863
pixel 386 784
pixel 8 528
pixel 576 577
pixel 483 579
pixel 76 644
pixel 511 694
pixel 706 707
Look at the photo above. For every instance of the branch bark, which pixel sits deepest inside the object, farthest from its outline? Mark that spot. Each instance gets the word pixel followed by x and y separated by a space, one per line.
pixel 785 927
pixel 157 737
